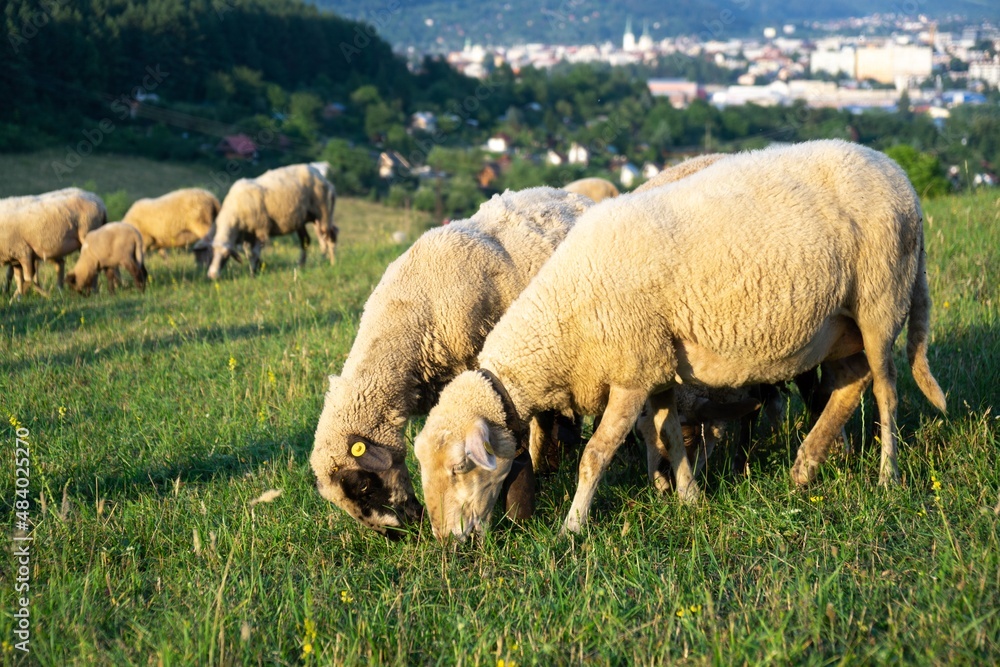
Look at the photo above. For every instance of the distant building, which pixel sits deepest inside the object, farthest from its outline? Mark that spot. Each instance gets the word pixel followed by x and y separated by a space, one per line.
pixel 645 41
pixel 554 158
pixel 649 170
pixel 986 71
pixel 628 39
pixel 578 154
pixel 680 92
pixel 629 175
pixel 894 63
pixel 499 143
pixel 423 120
pixel 392 164
pixel 237 147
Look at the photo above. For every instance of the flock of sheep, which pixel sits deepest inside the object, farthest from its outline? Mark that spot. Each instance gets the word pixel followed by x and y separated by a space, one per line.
pixel 53 225
pixel 676 308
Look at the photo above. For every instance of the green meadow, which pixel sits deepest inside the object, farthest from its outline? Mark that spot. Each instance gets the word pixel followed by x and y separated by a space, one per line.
pixel 162 427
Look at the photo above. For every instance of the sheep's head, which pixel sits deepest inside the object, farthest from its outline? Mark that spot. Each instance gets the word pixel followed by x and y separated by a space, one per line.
pixel 360 463
pixel 465 453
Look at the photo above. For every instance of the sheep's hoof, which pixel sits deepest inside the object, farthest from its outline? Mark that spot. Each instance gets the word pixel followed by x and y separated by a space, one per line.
pixel 803 473
pixel 662 483
pixel 889 476
pixel 689 493
pixel 572 526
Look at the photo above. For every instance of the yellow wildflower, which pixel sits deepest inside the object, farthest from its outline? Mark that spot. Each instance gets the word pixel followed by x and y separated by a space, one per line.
pixel 946 304
pixel 309 636
pixel 7 646
pixel 346 597
pixel 62 412
pixel 170 321
pixel 815 499
pixel 232 363
pixel 14 421
pixel 695 609
pixel 506 663
pixel 680 613
pixel 935 484
pixel 271 379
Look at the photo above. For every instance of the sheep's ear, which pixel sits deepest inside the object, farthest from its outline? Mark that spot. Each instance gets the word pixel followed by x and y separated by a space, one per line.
pixel 477 445
pixel 202 244
pixel 371 457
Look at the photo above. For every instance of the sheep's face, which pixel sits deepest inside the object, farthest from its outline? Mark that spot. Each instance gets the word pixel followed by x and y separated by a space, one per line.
pixel 364 475
pixel 463 459
pixel 220 255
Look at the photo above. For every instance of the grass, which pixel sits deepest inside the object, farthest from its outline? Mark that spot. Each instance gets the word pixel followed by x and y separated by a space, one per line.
pixel 157 419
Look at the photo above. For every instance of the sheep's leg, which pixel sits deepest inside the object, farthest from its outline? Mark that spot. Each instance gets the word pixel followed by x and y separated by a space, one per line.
pixel 883 371
pixel 303 243
pixel 114 278
pixel 666 428
pixel 60 272
pixel 138 273
pixel 331 243
pixel 623 408
pixel 850 379
pixel 10 277
pixel 254 253
pixel 29 276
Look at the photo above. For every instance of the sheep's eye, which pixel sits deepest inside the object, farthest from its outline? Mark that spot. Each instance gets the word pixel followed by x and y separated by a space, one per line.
pixel 463 467
pixel 364 486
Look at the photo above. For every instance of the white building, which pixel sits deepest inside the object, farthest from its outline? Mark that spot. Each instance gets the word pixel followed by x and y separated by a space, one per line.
pixel 578 154
pixel 986 71
pixel 628 40
pixel 629 175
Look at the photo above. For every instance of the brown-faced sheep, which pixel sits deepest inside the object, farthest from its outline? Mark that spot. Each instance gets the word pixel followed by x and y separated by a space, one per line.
pixel 116 244
pixel 47 227
pixel 423 324
pixel 597 189
pixel 280 201
pixel 752 270
pixel 177 219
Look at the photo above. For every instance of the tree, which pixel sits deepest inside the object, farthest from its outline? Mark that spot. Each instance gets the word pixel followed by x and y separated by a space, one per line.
pixel 924 170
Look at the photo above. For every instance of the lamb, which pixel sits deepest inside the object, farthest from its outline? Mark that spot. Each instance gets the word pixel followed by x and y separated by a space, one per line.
pixel 423 324
pixel 280 201
pixel 116 244
pixel 597 189
pixel 48 227
pixel 752 270
pixel 177 219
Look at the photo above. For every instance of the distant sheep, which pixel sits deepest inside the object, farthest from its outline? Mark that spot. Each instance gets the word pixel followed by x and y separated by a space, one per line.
pixel 47 227
pixel 177 219
pixel 116 244
pixel 281 201
pixel 423 324
pixel 751 271
pixel 597 189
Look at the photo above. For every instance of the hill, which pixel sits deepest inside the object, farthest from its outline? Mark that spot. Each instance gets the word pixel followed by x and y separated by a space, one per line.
pixel 447 24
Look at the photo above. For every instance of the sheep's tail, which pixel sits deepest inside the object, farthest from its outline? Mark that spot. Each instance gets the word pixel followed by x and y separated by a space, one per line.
pixel 917 334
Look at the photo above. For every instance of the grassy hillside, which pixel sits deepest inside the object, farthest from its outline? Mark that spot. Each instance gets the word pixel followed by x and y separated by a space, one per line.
pixel 156 419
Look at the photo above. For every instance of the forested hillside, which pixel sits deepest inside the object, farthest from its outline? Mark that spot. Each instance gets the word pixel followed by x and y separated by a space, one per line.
pixel 218 60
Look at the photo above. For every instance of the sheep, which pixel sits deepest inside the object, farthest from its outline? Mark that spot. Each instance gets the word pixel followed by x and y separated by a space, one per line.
pixel 752 270
pixel 105 249
pixel 423 324
pixel 594 188
pixel 48 227
pixel 177 219
pixel 280 201
pixel 681 170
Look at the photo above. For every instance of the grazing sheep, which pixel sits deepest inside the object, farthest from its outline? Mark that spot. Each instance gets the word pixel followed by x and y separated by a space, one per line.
pixel 116 244
pixel 48 227
pixel 753 270
pixel 423 324
pixel 681 170
pixel 594 188
pixel 280 201
pixel 177 219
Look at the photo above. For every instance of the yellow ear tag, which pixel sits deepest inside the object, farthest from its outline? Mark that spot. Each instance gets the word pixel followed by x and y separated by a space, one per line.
pixel 357 449
pixel 488 447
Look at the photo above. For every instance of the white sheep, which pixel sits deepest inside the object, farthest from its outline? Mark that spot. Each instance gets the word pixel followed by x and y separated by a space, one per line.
pixel 280 201
pixel 681 170
pixel 423 324
pixel 114 245
pixel 594 188
pixel 177 219
pixel 47 227
pixel 752 270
